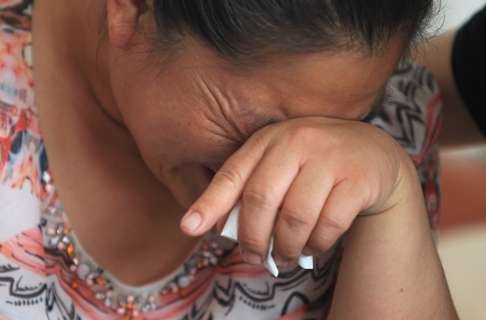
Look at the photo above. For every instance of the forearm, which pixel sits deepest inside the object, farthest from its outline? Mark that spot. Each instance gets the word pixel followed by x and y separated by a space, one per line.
pixel 391 269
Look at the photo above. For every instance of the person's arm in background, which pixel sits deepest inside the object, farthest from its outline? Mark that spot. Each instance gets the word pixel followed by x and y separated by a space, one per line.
pixel 458 61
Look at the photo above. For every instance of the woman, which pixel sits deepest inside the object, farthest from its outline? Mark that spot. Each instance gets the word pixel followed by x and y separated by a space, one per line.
pixel 141 103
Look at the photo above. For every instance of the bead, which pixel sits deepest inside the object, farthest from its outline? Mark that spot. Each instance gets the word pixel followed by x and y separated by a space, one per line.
pixel 130 299
pixel 75 261
pixel 70 249
pixel 49 188
pixel 129 307
pixel 51 231
pixel 147 307
pixel 83 271
pixel 100 296
pixel 100 281
pixel 120 311
pixel 89 280
pixel 54 241
pixel 75 284
pixel 46 177
pixel 66 240
pixel 61 246
pixel 173 288
pixel 184 281
pixel 73 268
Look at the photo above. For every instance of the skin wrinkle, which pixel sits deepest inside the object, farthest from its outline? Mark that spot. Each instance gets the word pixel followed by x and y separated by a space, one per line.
pixel 212 99
pixel 223 105
pixel 224 102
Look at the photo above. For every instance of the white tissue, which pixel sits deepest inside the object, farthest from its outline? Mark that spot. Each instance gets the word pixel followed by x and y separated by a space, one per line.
pixel 230 231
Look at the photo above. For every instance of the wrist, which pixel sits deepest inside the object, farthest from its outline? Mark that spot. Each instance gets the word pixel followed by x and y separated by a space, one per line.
pixel 407 189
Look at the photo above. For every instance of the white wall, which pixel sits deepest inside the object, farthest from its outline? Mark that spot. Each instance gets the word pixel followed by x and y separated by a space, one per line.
pixel 455 12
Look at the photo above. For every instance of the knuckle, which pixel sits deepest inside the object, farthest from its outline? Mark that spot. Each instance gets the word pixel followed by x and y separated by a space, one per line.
pixel 302 134
pixel 331 222
pixel 229 175
pixel 257 198
pixel 254 244
pixel 322 241
pixel 294 219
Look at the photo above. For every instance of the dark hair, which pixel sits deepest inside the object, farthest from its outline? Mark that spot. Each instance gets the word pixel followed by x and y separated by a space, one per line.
pixel 242 28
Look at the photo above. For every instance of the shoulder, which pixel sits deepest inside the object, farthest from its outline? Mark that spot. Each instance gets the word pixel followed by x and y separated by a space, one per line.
pixel 411 111
pixel 412 115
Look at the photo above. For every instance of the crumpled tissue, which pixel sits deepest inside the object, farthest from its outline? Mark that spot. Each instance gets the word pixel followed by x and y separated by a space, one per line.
pixel 230 230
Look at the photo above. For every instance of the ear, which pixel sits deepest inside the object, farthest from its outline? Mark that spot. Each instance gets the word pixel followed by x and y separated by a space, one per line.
pixel 123 18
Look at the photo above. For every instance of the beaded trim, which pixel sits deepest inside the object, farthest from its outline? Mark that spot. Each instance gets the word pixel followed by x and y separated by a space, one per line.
pixel 60 241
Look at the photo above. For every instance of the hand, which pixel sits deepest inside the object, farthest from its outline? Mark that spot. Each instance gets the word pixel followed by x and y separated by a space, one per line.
pixel 303 181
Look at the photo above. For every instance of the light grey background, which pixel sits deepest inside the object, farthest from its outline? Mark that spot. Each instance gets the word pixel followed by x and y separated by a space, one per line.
pixel 455 12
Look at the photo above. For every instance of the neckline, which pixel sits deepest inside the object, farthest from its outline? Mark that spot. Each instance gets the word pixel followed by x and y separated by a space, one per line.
pixel 82 271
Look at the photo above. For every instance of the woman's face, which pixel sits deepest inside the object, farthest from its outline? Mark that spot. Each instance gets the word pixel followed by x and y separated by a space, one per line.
pixel 190 111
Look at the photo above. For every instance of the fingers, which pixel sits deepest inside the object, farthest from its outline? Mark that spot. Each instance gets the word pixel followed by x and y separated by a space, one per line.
pixel 300 212
pixel 341 208
pixel 261 200
pixel 224 190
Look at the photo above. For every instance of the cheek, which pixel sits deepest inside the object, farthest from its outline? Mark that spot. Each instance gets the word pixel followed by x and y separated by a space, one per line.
pixel 169 122
pixel 170 138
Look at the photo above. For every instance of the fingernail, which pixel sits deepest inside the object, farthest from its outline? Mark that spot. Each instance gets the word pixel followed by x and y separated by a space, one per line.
pixel 251 258
pixel 191 222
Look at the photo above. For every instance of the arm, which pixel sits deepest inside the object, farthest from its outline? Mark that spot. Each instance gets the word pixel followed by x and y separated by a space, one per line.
pixel 457 61
pixel 390 268
pixel 459 127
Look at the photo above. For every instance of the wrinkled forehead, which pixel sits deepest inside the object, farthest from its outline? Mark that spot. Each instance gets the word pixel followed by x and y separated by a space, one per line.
pixel 357 72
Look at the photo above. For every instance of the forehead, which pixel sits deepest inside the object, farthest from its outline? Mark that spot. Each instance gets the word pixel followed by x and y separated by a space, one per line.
pixel 340 75
pixel 324 83
pixel 341 83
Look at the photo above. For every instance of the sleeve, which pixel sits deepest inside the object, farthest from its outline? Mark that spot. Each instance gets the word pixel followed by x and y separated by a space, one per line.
pixel 469 66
